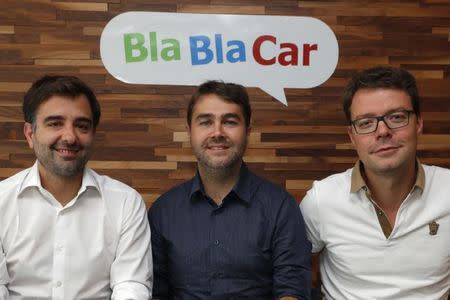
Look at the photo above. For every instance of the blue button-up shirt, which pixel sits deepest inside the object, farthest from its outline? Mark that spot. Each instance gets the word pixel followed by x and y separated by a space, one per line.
pixel 253 246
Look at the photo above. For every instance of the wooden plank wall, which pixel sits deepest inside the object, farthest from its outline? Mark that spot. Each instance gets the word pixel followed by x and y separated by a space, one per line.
pixel 141 139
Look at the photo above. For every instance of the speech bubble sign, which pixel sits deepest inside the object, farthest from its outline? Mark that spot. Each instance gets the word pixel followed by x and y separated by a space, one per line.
pixel 269 52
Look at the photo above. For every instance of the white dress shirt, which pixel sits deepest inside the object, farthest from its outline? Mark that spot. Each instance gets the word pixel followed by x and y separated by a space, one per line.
pixel 95 247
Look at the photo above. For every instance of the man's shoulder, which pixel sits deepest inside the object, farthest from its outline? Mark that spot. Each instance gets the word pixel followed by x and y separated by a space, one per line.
pixel 12 183
pixel 432 170
pixel 9 191
pixel 270 195
pixel 181 189
pixel 112 187
pixel 104 181
pixel 437 178
pixel 172 197
pixel 266 186
pixel 330 191
pixel 335 181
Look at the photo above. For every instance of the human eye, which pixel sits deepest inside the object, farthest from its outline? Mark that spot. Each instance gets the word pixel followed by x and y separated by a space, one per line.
pixel 205 122
pixel 398 117
pixel 230 122
pixel 54 124
pixel 365 123
pixel 84 126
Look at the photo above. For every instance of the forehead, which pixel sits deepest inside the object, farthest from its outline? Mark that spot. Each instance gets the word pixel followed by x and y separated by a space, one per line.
pixel 65 107
pixel 215 105
pixel 379 101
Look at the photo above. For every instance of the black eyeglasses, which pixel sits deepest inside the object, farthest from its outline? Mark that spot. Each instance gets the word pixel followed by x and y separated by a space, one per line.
pixel 393 120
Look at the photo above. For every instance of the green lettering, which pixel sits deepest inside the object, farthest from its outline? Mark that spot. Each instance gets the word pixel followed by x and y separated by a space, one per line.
pixel 134 42
pixel 153 46
pixel 171 52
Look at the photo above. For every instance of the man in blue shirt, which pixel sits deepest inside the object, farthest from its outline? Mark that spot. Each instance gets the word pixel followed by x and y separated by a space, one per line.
pixel 227 233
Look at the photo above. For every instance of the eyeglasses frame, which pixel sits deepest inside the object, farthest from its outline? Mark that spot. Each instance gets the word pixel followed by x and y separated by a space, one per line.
pixel 381 118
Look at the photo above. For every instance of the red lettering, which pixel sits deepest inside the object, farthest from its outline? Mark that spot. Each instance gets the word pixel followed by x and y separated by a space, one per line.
pixel 292 53
pixel 307 48
pixel 257 50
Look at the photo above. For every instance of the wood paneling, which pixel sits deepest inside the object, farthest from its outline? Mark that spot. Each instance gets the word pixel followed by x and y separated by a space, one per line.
pixel 141 138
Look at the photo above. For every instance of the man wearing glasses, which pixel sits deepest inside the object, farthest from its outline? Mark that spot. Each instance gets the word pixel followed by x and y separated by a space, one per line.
pixel 382 228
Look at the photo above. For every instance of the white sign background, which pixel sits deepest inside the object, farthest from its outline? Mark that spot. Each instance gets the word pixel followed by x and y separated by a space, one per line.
pixel 270 78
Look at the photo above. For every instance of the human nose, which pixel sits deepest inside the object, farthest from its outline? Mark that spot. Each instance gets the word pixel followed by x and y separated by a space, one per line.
pixel 382 128
pixel 217 129
pixel 69 134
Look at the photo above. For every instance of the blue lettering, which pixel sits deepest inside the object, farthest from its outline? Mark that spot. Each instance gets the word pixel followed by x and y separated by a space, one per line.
pixel 236 54
pixel 219 50
pixel 200 45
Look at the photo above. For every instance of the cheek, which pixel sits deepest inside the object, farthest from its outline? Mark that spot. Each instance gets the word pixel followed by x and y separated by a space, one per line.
pixel 196 138
pixel 410 142
pixel 42 139
pixel 361 145
pixel 87 139
pixel 405 137
pixel 411 136
pixel 237 135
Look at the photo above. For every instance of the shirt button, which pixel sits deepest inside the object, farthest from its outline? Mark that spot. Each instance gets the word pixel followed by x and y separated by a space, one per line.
pixel 380 212
pixel 216 242
pixel 59 283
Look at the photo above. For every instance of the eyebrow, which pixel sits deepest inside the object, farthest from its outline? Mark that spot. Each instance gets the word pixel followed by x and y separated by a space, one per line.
pixel 61 118
pixel 204 116
pixel 224 116
pixel 231 116
pixel 370 115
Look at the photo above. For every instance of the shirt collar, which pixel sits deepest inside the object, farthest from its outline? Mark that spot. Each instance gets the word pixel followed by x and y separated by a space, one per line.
pixel 32 179
pixel 243 187
pixel 357 181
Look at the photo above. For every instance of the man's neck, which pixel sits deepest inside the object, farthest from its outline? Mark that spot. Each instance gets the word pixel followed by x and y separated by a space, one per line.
pixel 64 189
pixel 391 189
pixel 219 182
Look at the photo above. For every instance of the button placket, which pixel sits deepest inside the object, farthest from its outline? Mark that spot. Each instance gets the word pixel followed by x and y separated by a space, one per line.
pixel 216 243
pixel 59 255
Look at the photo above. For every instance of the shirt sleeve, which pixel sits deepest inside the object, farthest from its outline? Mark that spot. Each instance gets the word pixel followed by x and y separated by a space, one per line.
pixel 131 270
pixel 4 277
pixel 310 211
pixel 4 295
pixel 161 285
pixel 291 253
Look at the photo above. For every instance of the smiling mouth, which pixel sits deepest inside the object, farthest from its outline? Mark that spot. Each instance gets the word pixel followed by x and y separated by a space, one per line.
pixel 217 147
pixel 67 152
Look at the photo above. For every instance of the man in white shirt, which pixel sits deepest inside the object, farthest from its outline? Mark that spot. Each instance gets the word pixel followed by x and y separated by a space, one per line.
pixel 382 228
pixel 65 231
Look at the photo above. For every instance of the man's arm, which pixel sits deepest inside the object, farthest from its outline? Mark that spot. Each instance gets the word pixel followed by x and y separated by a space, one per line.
pixel 291 254
pixel 3 293
pixel 161 285
pixel 4 276
pixel 131 271
pixel 310 210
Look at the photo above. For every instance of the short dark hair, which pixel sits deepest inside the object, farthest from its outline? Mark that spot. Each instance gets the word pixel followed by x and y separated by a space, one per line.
pixel 381 77
pixel 57 85
pixel 230 92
